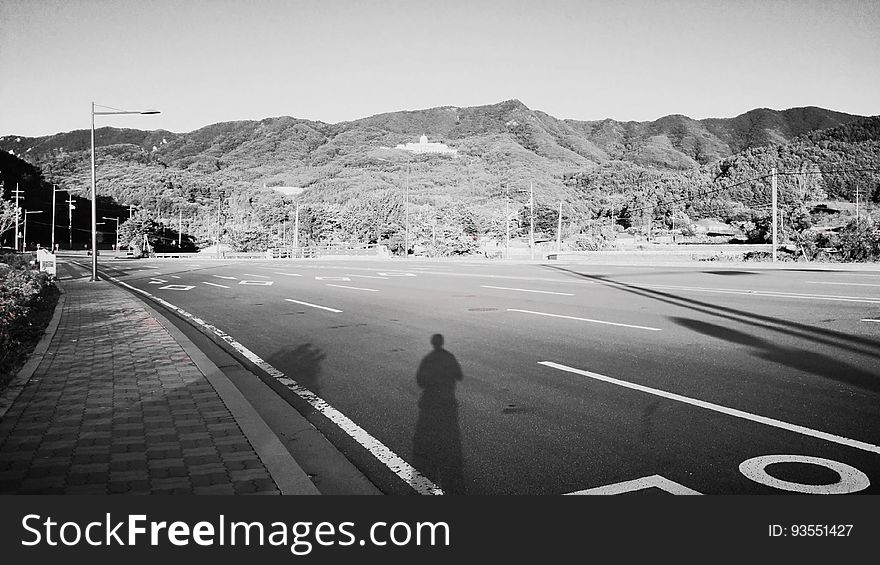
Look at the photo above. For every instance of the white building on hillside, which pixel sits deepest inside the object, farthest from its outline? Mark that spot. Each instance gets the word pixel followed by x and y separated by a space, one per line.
pixel 423 146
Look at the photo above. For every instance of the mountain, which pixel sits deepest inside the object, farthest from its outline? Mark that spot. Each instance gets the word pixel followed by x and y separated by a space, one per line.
pixel 504 148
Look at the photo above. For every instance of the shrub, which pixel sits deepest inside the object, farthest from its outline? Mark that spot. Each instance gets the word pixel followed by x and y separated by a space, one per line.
pixel 24 295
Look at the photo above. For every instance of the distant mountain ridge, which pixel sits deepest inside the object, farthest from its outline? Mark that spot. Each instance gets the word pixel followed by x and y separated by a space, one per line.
pixel 673 142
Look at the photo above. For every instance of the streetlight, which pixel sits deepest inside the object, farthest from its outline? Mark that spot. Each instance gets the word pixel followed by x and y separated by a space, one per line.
pixel 113 112
pixel 24 242
pixel 117 231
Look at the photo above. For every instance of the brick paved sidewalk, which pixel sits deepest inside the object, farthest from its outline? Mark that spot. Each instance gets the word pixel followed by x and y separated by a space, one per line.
pixel 116 406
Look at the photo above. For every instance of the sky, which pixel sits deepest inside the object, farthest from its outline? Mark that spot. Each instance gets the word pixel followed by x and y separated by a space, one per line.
pixel 201 62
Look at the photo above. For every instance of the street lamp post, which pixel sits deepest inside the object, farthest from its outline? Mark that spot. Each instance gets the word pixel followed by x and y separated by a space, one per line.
pixel 54 191
pixel 24 238
pixel 113 112
pixel 117 231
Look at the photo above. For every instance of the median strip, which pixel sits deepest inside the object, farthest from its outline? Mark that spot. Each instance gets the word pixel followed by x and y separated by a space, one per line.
pixel 526 290
pixel 585 320
pixel 718 408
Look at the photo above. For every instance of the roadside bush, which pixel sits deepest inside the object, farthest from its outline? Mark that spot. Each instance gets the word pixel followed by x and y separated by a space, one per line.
pixel 26 297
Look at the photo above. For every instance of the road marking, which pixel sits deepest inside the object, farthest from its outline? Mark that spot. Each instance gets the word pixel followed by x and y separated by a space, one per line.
pixel 313 305
pixel 256 283
pixel 193 265
pixel 223 277
pixel 723 409
pixel 406 472
pixel 368 277
pixel 397 274
pixel 353 287
pixel 214 284
pixel 157 281
pixel 332 279
pixel 842 283
pixel 869 320
pixel 288 274
pixel 654 481
pixel 174 276
pixel 258 276
pixel 585 320
pixel 766 293
pixel 851 479
pixel 176 287
pixel 526 290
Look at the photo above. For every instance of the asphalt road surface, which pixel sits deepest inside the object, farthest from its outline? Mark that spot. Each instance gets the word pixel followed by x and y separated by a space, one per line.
pixel 561 378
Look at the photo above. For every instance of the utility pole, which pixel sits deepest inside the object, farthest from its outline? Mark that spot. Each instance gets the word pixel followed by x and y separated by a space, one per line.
pixel 857 203
pixel 773 192
pixel 17 213
pixel 54 190
pixel 219 205
pixel 507 225
pixel 179 229
pixel 532 221
pixel 559 232
pixel 406 213
pixel 70 209
pixel 296 232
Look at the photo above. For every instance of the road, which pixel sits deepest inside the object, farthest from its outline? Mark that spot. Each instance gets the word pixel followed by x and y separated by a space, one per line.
pixel 575 378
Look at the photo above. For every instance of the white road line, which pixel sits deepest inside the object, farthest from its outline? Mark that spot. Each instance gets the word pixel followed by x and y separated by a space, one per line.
pixel 258 276
pixel 174 276
pixel 313 305
pixel 766 293
pixel 586 320
pixel 526 290
pixel 176 287
pixel 223 277
pixel 288 274
pixel 368 277
pixel 257 283
pixel 843 283
pixel 654 481
pixel 869 320
pixel 214 284
pixel 723 409
pixel 353 287
pixel 406 472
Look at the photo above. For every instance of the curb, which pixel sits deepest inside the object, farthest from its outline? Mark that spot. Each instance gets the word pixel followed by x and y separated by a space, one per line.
pixel 16 385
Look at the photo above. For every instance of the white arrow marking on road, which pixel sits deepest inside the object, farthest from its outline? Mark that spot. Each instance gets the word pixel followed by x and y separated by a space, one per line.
pixel 215 284
pixel 313 305
pixel 332 279
pixel 526 290
pixel 256 283
pixel 585 320
pixel 654 481
pixel 176 287
pixel 353 287
pixel 723 409
pixel 157 281
pixel 222 277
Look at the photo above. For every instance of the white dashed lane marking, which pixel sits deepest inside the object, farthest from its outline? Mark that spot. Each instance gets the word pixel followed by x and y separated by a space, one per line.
pixel 864 446
pixel 313 305
pixel 526 290
pixel 585 320
pixel 215 284
pixel 353 287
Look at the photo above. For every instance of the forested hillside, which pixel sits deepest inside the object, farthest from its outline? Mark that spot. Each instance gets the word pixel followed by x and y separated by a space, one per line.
pixel 356 185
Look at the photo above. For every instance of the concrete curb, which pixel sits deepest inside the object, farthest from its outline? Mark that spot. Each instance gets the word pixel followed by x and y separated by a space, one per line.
pixel 16 385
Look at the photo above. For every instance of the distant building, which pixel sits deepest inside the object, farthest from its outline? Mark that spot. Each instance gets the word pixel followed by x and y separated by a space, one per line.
pixel 423 146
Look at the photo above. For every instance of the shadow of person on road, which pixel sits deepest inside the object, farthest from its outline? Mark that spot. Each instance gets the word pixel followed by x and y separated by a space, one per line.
pixel 437 439
pixel 302 364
